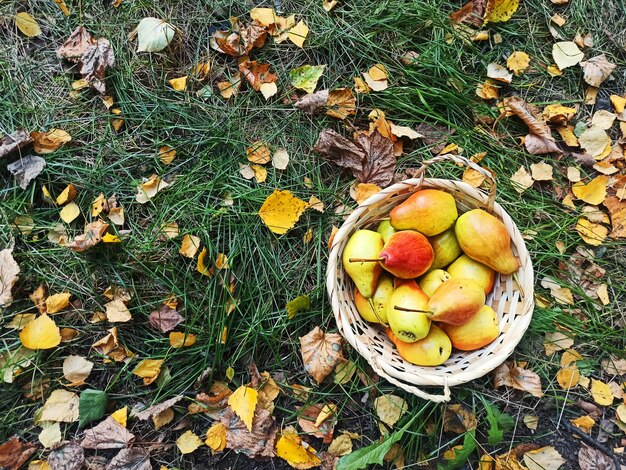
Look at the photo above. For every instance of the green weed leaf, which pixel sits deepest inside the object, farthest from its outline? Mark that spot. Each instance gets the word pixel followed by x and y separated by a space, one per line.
pixel 461 456
pixel 91 406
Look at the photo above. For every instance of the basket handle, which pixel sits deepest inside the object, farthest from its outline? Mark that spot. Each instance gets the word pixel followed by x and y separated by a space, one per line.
pixel 421 173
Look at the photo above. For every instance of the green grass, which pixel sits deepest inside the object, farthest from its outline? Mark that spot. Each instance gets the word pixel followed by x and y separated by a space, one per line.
pixel 211 136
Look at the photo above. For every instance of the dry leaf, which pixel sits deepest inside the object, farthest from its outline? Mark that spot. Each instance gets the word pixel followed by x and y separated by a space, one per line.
pixel 148 370
pixel 48 142
pixel 499 73
pixel 257 73
pixel 488 90
pixel 531 421
pixel 596 70
pixel 617 211
pixel 341 103
pixel 96 57
pixel 593 459
pixel 109 434
pixel 321 352
pixel 458 419
pixel 592 233
pixel 557 114
pixel 556 341
pixel 313 102
pixel 163 418
pixel 116 311
pixel 166 154
pixel 70 456
pixel 295 451
pixel 374 85
pixel 179 84
pixel 188 442
pixel 540 139
pixel 76 369
pixel 601 393
pixel 121 415
pixel 179 339
pixel 41 333
pixel 189 246
pixel 158 408
pixel 243 402
pixel 518 62
pixel 149 189
pixel 519 378
pixel 603 119
pixel 20 320
pixel 473 177
pixel 27 25
pixel 521 180
pixel 566 54
pixel 133 458
pixel 593 192
pixel 541 171
pixel 281 210
pixel 50 435
pixel 26 169
pixel 585 423
pixel 594 141
pixel 619 103
pixel 9 270
pixel 390 408
pixel 14 453
pixel 259 442
pixel 546 458
pixel 153 34
pixel 70 212
pixel 298 34
pixel 216 437
pixel 259 153
pixel 363 191
pixel 498 11
pixel 314 421
pixel 61 406
pixel 280 159
pixel 14 141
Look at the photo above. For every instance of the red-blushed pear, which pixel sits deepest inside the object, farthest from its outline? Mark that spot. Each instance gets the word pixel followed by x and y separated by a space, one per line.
pixel 431 281
pixel 386 230
pixel 432 350
pixel 428 211
pixel 456 301
pixel 374 308
pixel 445 247
pixel 407 254
pixel 480 330
pixel 363 244
pixel 406 311
pixel 465 267
pixel 484 238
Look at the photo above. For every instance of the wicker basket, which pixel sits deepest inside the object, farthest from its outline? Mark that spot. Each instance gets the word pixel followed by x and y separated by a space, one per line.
pixel 511 297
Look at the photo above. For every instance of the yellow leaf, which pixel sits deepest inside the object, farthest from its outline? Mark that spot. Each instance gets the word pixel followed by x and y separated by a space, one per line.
pixel 243 402
pixel 541 171
pixel 76 369
pixel 111 238
pixel 148 370
pixel 298 34
pixel 291 448
pixel 57 302
pixel 98 205
pixel 20 320
pixel 554 71
pixel 558 114
pixel 188 442
pixel 216 436
pixel 264 16
pixel 329 4
pixel 27 25
pixel 364 191
pixel 568 376
pixel 374 85
pixel 41 333
pixel 268 89
pixel 179 84
pixel 38 464
pixel 316 204
pixel 341 103
pixel 585 422
pixel 63 7
pixel 230 373
pixel 360 86
pixel 166 154
pixel 591 232
pixel 260 173
pixel 498 11
pixel 189 246
pixel 62 406
pixel 178 339
pixel 568 136
pixel 378 72
pixel 201 266
pixel 149 189
pixel 488 90
pixel 619 102
pixel 116 311
pixel 593 192
pixel 522 180
pixel 67 195
pixel 566 54
pixel 517 62
pixel 48 142
pixel 601 393
pixel 390 408
pixel 70 212
pixel 121 416
pixel 281 210
pixel 259 153
pixel 162 418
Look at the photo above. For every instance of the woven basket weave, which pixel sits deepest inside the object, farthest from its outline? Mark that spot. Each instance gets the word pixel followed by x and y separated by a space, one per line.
pixel 511 297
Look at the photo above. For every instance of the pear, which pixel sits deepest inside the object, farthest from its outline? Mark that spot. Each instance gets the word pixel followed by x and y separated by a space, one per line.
pixel 484 238
pixel 445 247
pixel 432 350
pixel 386 230
pixel 431 281
pixel 465 267
pixel 406 311
pixel 373 309
pixel 480 330
pixel 407 254
pixel 428 211
pixel 363 244
pixel 456 301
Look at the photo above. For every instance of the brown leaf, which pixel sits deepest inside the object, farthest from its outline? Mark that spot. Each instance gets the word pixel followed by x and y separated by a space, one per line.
pixel 617 211
pixel 109 434
pixel 165 319
pixel 308 420
pixel 341 151
pixel 471 13
pixel 14 141
pixel 14 453
pixel 434 135
pixel 312 103
pixel 240 42
pixel 257 73
pixel 596 70
pixel 321 352
pixel 91 237
pixel 134 458
pixel 26 169
pixel 593 459
pixel 341 103
pixel 380 162
pixel 96 57
pixel 540 139
pixel 156 409
pixel 9 270
pixel 75 46
pixel 458 419
pixel 68 457
pixel 519 378
pixel 259 442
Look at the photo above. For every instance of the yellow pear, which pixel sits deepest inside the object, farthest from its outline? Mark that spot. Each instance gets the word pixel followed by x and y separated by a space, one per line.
pixel 386 230
pixel 363 244
pixel 429 211
pixel 431 281
pixel 406 311
pixel 432 350
pixel 456 301
pixel 446 248
pixel 479 331
pixel 465 267
pixel 373 309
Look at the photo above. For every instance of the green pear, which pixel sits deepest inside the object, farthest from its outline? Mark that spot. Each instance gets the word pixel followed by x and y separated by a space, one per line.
pixel 362 245
pixel 386 230
pixel 406 311
pixel 431 281
pixel 428 211
pixel 465 267
pixel 374 308
pixel 432 350
pixel 456 301
pixel 446 248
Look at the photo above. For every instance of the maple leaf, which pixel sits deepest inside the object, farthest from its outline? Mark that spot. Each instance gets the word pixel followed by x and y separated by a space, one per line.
pixel 256 442
pixel 321 352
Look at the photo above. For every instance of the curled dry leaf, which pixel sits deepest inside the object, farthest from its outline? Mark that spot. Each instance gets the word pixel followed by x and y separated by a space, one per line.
pixel 540 139
pixel 133 458
pixel 321 352
pixel 596 70
pixel 458 419
pixel 74 47
pixel 14 141
pixel 318 420
pixel 257 73
pixel 519 378
pixel 256 442
pixel 26 169
pixel 95 60
pixel 14 453
pixel 499 73
pixel 157 409
pixel 109 434
pixel 9 270
pixel 149 189
pixel 92 236
pixel 617 211
pixel 341 103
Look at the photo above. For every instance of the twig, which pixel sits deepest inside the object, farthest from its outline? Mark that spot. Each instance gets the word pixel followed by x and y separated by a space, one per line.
pixel 587 439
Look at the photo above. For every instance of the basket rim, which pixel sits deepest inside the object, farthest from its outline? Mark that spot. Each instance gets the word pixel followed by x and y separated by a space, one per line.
pixel 430 376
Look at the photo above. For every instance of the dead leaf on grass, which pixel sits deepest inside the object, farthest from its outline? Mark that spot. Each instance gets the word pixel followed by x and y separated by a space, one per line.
pixel 133 458
pixel 390 408
pixel 148 370
pixel 341 103
pixel 521 180
pixel 458 419
pixel 596 70
pixel 321 352
pixel 257 442
pixel 317 420
pixel 76 369
pixel 593 459
pixel 556 341
pixel 295 451
pixel 158 408
pixel 545 458
pixel 61 406
pixel 14 141
pixel 9 271
pixel 69 456
pixel 281 210
pixel 14 453
pixel 92 236
pixel 26 169
pixel 109 434
pixel 257 73
pixel 517 377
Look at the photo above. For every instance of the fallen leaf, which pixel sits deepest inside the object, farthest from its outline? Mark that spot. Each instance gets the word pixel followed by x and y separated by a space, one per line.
pixel 163 418
pixel 374 85
pixel 541 171
pixel 259 442
pixel 149 189
pixel 41 333
pixel 519 378
pixel 531 421
pixel 301 303
pixel 603 119
pixel 498 11
pixel 281 210
pixel 257 73
pixel 306 77
pixel 592 233
pixel 556 341
pixel 619 103
pixel 133 458
pixel 298 34
pixel 557 114
pixel 329 4
pixel 617 211
pixel 594 459
pixel 61 406
pixel 188 442
pixel 585 423
pixel 189 246
pixel 243 402
pixel 313 420
pixel 521 180
pixel 321 352
pixel 593 192
pixel 473 177
pixel 458 419
pixel 601 393
pixel 341 103
pixel 157 409
pixel 14 141
pixel 488 90
pixel 121 415
pixel 48 142
pixel 116 311
pixel 566 54
pixel 216 437
pixel 9 270
pixel 499 73
pixel 594 141
pixel 596 70
pixel 179 84
pixel 14 453
pixel 20 320
pixel 76 369
pixel 363 191
pixel 91 237
pixel 26 169
pixel 540 139
pixel 96 57
pixel 153 34
pixel 280 159
pixel 109 434
pixel 179 339
pixel 259 153
pixel 70 212
pixel 518 62
pixel 545 458
pixel 64 9
pixel 313 102
pixel 568 136
pixel 148 370
pixel 27 25
pixel 295 451
pixel 69 456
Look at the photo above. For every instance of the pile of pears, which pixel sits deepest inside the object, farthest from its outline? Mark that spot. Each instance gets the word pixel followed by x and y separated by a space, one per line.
pixel 425 274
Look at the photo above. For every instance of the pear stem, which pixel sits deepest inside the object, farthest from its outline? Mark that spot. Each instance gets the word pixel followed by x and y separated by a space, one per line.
pixel 404 309
pixel 365 260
